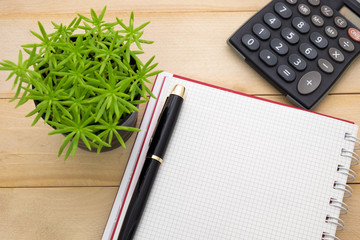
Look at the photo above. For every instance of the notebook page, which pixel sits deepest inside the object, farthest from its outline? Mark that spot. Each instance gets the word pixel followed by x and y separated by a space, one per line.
pixel 241 168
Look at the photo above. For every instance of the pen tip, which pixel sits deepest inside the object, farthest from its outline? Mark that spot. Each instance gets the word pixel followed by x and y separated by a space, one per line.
pixel 179 90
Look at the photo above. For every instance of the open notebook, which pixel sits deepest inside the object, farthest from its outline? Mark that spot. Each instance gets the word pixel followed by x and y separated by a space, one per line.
pixel 239 167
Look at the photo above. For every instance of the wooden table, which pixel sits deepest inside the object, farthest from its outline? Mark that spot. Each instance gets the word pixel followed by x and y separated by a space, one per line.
pixel 44 197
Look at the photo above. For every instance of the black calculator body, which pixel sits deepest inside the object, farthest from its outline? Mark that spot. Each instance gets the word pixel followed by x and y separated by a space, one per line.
pixel 301 46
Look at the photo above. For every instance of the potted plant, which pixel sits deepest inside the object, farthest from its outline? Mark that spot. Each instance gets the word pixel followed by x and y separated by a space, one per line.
pixel 86 80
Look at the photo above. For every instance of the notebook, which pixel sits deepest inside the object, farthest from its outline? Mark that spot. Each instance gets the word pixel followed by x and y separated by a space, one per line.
pixel 240 167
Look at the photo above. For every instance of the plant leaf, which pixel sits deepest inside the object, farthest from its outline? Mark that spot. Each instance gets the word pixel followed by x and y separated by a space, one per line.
pixel 101 16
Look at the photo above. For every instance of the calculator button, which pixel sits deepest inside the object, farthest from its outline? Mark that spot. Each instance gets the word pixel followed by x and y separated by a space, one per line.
pixel 279 46
pixel 346 44
pixel 292 2
pixel 336 55
pixel 319 40
pixel 282 10
pixel 261 31
pixel 297 62
pixel 354 34
pixel 268 58
pixel 309 82
pixel 290 36
pixel 325 65
pixel 286 73
pixel 304 9
pixel 340 22
pixel 271 20
pixel 331 32
pixel 314 2
pixel 300 25
pixel 250 42
pixel 317 20
pixel 327 11
pixel 308 51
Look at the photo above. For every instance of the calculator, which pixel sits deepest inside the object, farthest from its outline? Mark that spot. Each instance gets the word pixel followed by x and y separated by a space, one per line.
pixel 301 46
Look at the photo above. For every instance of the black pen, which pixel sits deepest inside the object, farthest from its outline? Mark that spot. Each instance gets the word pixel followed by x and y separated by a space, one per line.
pixel 154 158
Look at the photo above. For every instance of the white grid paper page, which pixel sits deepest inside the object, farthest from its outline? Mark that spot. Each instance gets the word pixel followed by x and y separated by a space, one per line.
pixel 241 168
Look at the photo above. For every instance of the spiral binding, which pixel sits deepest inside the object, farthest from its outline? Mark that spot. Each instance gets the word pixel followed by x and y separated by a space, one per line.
pixel 350 154
pixel 340 225
pixel 353 139
pixel 351 175
pixel 344 187
pixel 328 236
pixel 344 208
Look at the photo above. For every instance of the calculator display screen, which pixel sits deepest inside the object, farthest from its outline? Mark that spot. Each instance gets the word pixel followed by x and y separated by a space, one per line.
pixel 351 16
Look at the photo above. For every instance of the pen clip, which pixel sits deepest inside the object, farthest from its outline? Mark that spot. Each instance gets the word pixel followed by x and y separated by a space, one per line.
pixel 158 120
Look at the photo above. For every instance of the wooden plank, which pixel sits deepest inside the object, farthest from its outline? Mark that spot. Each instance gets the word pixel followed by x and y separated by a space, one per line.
pixel 190 40
pixel 54 213
pixel 188 44
pixel 19 7
pixel 28 156
pixel 81 213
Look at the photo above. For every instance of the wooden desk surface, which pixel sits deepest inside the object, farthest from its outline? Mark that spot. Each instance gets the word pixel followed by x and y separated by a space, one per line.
pixel 43 197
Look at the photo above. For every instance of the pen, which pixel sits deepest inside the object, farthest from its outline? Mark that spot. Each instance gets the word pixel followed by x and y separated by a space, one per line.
pixel 155 154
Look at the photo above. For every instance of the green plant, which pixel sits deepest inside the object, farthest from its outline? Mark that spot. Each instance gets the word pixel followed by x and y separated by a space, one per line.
pixel 84 78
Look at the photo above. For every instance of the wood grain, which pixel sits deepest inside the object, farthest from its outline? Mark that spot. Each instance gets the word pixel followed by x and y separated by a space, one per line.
pixel 43 197
pixel 25 149
pixel 32 154
pixel 81 213
pixel 54 213
pixel 188 44
pixel 19 7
